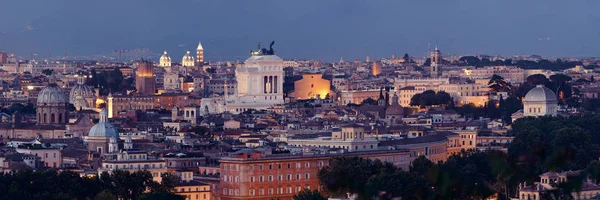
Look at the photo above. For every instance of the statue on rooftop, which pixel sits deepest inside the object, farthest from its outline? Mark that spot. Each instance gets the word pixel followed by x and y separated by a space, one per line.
pixel 263 51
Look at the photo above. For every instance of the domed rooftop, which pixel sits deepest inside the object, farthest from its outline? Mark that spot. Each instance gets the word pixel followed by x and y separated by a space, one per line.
pixel 540 94
pixel 103 128
pixel 80 103
pixel 81 89
pixel 394 109
pixel 52 94
pixel 165 57
pixel 188 57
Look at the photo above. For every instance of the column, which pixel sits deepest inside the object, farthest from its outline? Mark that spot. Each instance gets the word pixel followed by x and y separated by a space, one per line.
pixel 265 84
pixel 270 84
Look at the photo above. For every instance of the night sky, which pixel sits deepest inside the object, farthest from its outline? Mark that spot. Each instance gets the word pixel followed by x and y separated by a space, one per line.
pixel 304 29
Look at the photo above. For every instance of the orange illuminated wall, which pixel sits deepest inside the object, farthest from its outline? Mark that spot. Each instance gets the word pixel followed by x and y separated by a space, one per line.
pixel 376 69
pixel 310 85
pixel 144 79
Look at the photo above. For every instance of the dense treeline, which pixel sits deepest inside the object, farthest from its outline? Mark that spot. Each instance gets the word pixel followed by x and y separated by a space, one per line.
pixel 110 81
pixel 558 64
pixel 468 175
pixel 541 145
pixel 70 185
pixel 431 98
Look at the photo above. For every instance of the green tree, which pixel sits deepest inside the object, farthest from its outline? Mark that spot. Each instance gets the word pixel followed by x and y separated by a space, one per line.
pixel 469 60
pixel 161 196
pixel 537 79
pixel 397 184
pixel 309 195
pixel 200 130
pixel 47 72
pixel 430 98
pixel 498 84
pixel 337 181
pixel 168 183
pixel 369 101
pixel 427 62
pixel 105 195
pixel 421 165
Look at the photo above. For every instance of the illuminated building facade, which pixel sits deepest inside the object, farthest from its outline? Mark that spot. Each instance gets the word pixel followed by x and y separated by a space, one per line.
pixel 144 79
pixel 311 86
pixel 187 60
pixel 51 107
pixel 376 68
pixel 116 104
pixel 256 176
pixel 200 54
pixel 436 62
pixel 259 83
pixel 165 60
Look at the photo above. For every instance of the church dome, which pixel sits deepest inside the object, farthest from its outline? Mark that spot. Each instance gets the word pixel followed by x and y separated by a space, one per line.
pixel 80 103
pixel 188 59
pixel 52 94
pixel 103 128
pixel 81 89
pixel 165 57
pixel 394 109
pixel 540 94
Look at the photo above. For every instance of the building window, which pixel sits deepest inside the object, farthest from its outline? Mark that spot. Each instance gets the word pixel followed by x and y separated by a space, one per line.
pixel 307 164
pixel 252 179
pixel 307 176
pixel 289 177
pixel 297 176
pixel 270 178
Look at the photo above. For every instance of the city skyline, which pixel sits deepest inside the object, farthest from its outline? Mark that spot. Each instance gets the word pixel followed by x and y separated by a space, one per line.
pixel 313 30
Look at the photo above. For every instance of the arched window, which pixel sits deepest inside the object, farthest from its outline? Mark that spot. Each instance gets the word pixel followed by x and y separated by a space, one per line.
pixel 60 118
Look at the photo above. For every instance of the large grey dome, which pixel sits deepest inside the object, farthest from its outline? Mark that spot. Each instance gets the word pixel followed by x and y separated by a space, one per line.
pixel 82 90
pixel 52 94
pixel 540 94
pixel 103 128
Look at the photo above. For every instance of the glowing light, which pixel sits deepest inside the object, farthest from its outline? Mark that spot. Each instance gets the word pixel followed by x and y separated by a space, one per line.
pixel 99 101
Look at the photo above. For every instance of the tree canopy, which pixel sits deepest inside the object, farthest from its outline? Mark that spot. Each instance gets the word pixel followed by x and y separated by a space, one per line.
pixel 554 144
pixel 306 194
pixel 430 98
pixel 70 185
